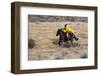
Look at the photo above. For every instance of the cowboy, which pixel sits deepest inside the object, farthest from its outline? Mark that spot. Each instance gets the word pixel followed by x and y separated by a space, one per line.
pixel 69 30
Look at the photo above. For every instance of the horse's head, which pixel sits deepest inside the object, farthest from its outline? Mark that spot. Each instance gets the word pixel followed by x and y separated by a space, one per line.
pixel 58 32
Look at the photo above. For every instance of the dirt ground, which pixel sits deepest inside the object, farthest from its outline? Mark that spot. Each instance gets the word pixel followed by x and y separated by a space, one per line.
pixel 46 42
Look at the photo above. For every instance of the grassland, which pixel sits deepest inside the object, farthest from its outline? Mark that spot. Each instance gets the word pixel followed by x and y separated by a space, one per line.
pixel 46 42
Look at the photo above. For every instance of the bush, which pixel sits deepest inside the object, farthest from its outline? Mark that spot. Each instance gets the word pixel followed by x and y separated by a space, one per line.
pixel 55 41
pixel 31 43
pixel 84 56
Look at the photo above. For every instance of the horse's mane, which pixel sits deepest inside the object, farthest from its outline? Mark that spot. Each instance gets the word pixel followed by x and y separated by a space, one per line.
pixel 61 30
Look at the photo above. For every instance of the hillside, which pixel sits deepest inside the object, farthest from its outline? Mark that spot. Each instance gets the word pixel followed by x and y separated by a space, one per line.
pixel 46 42
pixel 48 18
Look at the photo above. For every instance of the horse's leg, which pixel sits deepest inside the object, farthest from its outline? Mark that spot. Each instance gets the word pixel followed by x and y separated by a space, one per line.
pixel 59 43
pixel 72 42
pixel 71 38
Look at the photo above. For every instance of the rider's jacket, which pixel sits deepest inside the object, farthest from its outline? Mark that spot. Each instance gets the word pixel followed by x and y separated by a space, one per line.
pixel 68 29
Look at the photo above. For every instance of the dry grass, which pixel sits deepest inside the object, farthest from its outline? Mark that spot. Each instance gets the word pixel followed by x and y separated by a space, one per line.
pixel 46 42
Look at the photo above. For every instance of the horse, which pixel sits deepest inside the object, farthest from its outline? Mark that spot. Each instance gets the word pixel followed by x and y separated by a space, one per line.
pixel 63 37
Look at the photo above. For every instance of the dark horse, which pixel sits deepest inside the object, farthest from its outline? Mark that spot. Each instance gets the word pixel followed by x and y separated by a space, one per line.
pixel 63 37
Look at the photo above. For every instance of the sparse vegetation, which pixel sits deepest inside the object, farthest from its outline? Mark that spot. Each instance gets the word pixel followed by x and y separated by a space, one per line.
pixel 44 43
pixel 83 56
pixel 31 43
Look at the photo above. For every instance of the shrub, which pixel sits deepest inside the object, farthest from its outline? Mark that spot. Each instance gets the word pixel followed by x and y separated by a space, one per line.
pixel 31 43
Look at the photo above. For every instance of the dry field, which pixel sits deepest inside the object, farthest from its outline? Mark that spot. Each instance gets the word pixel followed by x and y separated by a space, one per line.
pixel 46 46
